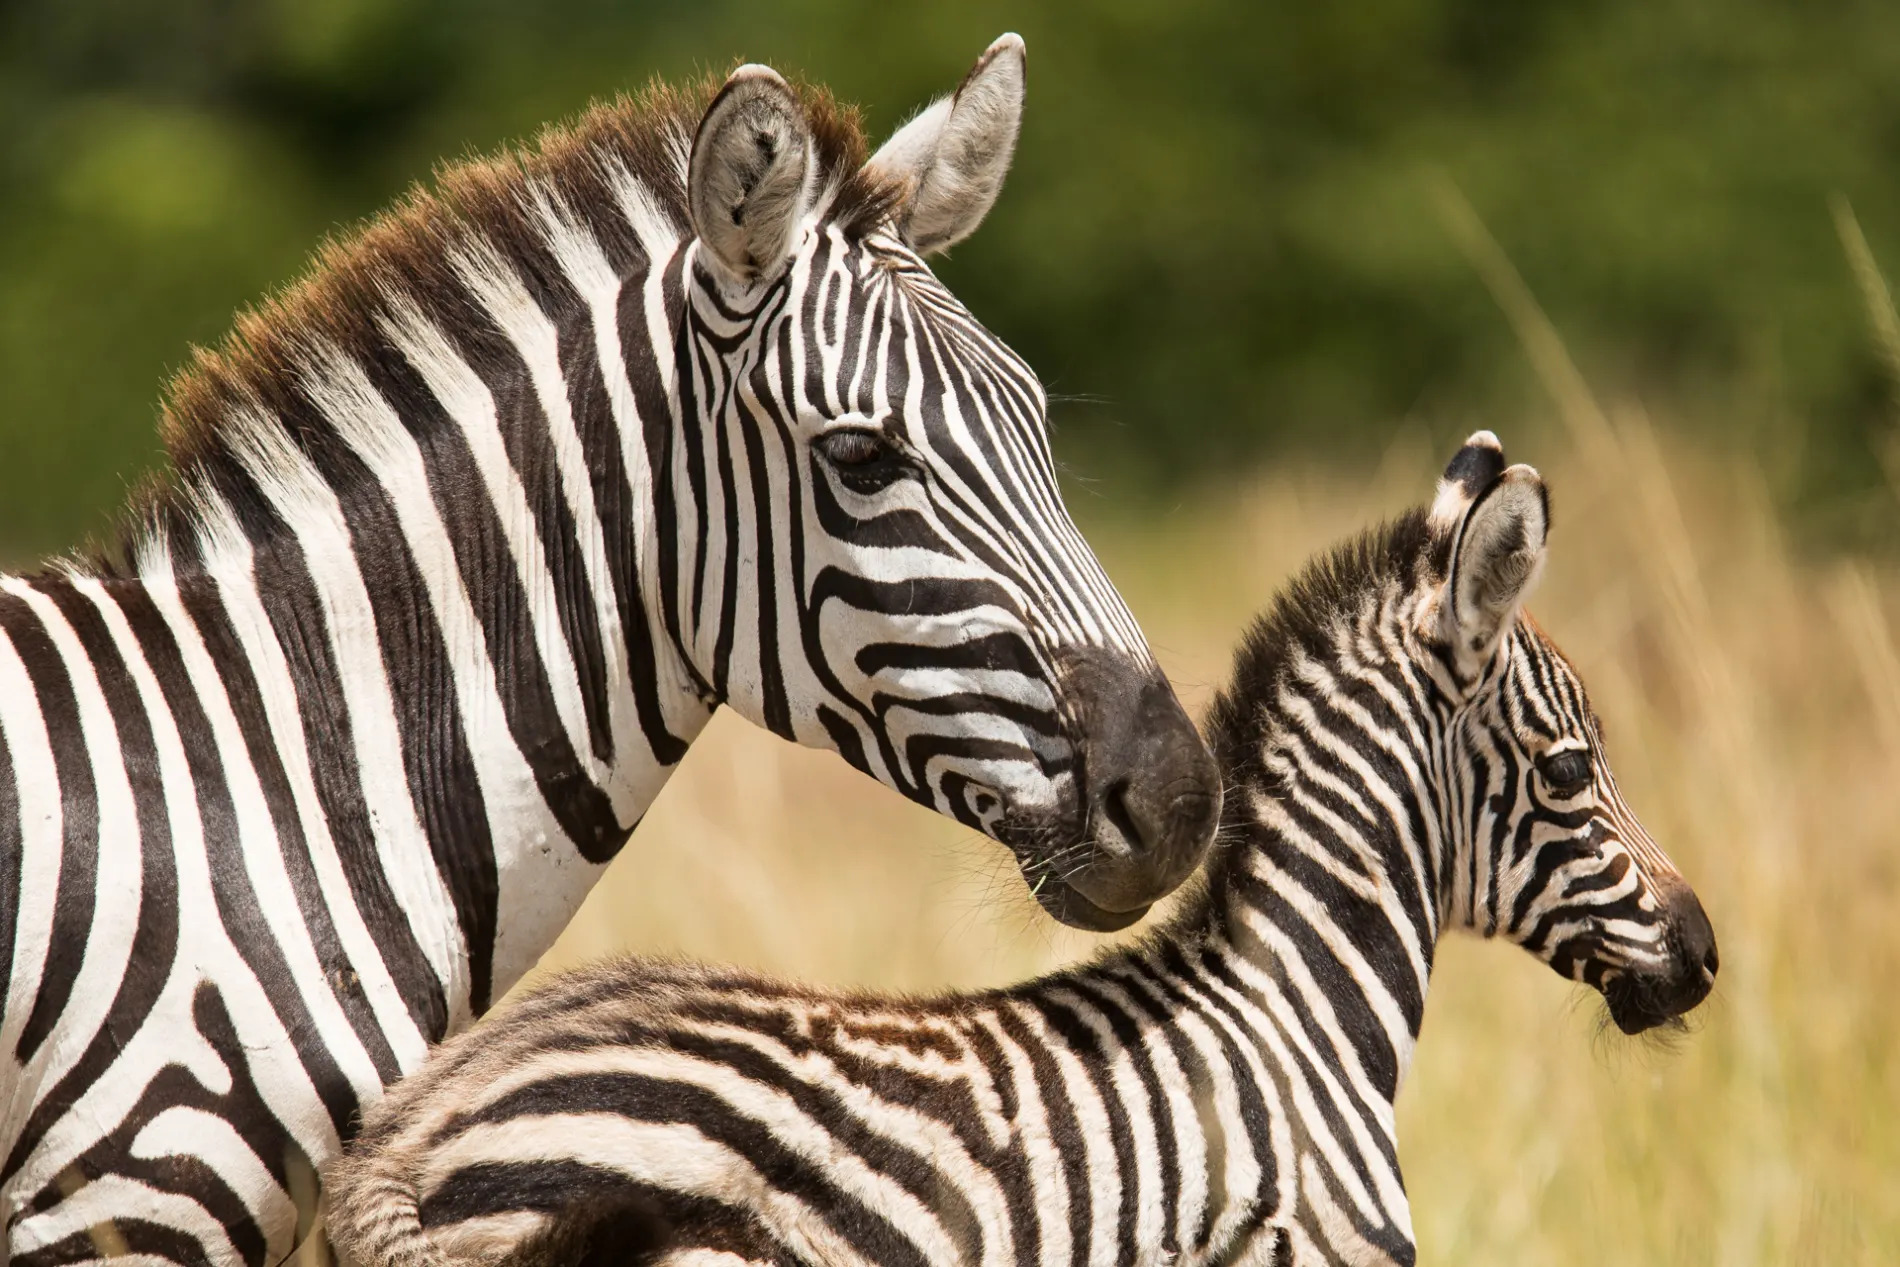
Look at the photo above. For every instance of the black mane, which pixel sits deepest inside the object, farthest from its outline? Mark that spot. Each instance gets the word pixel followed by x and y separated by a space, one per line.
pixel 1330 586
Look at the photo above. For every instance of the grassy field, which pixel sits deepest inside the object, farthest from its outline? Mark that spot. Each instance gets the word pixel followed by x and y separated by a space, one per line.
pixel 1753 704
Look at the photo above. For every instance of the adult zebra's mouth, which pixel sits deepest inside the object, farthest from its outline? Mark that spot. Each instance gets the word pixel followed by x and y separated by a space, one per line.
pixel 1062 902
pixel 1042 865
pixel 1125 804
pixel 1058 860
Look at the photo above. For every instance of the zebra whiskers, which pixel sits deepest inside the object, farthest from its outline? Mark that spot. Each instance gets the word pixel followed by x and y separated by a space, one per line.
pixel 1403 750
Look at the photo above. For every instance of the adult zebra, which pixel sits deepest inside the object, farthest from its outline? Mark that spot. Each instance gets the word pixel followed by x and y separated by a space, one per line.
pixel 470 534
pixel 1405 755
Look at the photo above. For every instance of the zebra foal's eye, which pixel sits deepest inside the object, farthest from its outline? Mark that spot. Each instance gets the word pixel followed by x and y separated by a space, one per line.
pixel 864 460
pixel 1565 773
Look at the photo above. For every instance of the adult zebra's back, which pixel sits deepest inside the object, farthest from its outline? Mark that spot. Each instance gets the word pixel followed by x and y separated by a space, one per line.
pixel 470 533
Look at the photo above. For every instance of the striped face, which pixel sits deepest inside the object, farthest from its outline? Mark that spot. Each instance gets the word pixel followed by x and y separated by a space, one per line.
pixel 869 549
pixel 1570 874
pixel 907 579
pixel 1545 851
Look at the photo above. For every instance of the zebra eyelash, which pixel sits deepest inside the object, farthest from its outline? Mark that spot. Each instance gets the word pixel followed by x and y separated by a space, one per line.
pixel 864 460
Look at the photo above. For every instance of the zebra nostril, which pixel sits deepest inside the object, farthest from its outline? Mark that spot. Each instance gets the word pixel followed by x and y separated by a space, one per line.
pixel 1115 807
pixel 1711 962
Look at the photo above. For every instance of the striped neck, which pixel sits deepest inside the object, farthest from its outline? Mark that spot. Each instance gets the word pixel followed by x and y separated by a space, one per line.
pixel 1328 891
pixel 456 557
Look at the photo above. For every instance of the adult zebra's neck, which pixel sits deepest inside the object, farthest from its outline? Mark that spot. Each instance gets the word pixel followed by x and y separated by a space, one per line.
pixel 436 532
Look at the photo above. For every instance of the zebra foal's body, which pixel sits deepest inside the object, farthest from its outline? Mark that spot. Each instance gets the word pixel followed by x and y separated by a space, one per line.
pixel 1404 755
pixel 469 535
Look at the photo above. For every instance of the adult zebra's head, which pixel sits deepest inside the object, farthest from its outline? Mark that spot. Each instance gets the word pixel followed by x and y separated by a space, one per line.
pixel 1545 852
pixel 871 552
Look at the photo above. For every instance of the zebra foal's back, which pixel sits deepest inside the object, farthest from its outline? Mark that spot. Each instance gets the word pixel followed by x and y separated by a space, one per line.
pixel 1404 753
pixel 678 1108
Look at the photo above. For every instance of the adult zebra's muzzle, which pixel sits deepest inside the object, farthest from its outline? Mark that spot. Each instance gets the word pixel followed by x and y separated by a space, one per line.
pixel 1150 790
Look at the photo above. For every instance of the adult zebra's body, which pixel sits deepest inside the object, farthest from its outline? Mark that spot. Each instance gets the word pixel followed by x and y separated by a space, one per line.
pixel 470 534
pixel 1404 754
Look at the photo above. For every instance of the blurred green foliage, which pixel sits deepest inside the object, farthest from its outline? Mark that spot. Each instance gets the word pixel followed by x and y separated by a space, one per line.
pixel 1219 234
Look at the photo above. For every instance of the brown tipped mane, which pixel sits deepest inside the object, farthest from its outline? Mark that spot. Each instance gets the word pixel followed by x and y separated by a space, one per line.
pixel 406 251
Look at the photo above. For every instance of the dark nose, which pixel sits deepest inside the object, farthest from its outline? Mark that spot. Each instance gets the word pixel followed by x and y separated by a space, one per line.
pixel 1693 939
pixel 1153 791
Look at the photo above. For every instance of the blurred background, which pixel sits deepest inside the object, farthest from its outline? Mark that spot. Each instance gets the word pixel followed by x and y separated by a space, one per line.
pixel 1275 259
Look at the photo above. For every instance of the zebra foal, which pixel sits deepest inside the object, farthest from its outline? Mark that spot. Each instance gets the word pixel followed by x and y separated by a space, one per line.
pixel 1405 751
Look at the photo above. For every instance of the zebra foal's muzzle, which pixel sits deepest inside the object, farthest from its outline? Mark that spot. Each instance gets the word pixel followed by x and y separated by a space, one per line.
pixel 1641 999
pixel 1150 792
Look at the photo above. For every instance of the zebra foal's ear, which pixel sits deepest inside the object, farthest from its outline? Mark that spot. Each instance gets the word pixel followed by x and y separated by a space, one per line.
pixel 747 184
pixel 1497 552
pixel 951 159
pixel 1471 470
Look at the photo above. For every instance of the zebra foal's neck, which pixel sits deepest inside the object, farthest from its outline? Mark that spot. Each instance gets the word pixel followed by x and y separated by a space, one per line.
pixel 1405 753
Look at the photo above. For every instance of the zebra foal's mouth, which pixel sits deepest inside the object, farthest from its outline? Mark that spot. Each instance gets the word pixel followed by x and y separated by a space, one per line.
pixel 1640 1003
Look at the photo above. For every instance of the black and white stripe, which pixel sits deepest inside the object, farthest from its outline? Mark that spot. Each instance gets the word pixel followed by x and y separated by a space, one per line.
pixel 469 536
pixel 1406 754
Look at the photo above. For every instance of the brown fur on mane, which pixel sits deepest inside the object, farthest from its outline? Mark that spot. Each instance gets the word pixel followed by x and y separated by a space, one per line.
pixel 405 250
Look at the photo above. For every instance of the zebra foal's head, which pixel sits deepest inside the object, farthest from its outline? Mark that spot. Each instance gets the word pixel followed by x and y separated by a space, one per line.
pixel 943 626
pixel 1544 850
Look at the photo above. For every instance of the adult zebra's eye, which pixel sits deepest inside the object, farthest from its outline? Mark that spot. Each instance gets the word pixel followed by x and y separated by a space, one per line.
pixel 865 461
pixel 1565 773
pixel 853 448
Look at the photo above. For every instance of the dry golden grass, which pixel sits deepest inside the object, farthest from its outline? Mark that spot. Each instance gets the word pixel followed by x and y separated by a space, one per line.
pixel 1753 705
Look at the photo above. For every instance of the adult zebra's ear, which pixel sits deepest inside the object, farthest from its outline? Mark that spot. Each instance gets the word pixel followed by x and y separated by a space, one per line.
pixel 950 160
pixel 748 182
pixel 1497 552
